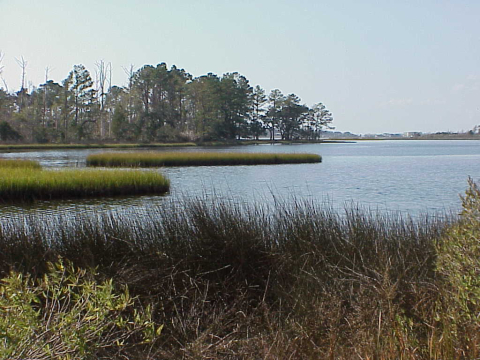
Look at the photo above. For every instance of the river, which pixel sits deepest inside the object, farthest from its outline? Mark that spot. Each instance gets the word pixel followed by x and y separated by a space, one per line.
pixel 410 177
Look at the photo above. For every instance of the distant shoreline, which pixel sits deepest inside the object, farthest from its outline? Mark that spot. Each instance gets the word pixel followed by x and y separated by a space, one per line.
pixel 10 147
pixel 421 137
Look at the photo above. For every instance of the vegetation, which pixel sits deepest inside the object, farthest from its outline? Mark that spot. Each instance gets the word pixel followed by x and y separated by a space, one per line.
pixel 7 133
pixel 67 314
pixel 26 184
pixel 18 164
pixel 234 281
pixel 157 105
pixel 90 146
pixel 459 266
pixel 196 159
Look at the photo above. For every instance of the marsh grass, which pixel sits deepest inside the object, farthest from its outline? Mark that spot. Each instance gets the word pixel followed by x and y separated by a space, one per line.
pixel 233 281
pixel 90 146
pixel 157 159
pixel 18 164
pixel 27 184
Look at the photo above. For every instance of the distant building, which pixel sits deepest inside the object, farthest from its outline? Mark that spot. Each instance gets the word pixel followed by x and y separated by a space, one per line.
pixel 392 136
pixel 411 134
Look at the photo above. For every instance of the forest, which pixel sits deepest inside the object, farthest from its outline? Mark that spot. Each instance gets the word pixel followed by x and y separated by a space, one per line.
pixel 157 105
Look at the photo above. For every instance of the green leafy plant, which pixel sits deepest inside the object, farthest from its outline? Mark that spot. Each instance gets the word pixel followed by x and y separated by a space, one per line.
pixel 67 315
pixel 459 265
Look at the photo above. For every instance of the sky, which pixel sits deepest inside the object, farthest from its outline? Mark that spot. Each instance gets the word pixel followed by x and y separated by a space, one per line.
pixel 385 66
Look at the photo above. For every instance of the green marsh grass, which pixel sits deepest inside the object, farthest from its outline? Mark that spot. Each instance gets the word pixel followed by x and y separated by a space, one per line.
pixel 26 184
pixel 18 164
pixel 158 159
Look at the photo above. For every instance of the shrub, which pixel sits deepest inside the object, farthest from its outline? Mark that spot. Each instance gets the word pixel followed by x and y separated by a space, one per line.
pixel 67 315
pixel 459 266
pixel 7 133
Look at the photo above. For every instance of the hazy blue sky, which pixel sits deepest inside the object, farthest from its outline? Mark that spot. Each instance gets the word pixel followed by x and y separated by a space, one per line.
pixel 379 66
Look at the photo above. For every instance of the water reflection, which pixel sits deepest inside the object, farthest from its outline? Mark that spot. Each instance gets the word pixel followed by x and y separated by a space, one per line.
pixel 122 204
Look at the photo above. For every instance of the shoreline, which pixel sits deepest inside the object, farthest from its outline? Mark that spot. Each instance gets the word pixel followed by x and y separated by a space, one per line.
pixel 8 147
pixel 73 146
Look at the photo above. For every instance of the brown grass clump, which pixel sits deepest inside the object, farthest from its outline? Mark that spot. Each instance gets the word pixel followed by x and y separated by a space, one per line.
pixel 230 281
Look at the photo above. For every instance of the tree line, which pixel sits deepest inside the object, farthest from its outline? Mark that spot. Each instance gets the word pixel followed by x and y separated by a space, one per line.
pixel 157 104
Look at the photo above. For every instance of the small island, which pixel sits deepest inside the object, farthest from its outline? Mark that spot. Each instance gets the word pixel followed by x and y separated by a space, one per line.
pixel 159 159
pixel 23 180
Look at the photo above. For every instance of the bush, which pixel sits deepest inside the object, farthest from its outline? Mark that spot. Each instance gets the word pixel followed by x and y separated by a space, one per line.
pixel 7 133
pixel 459 266
pixel 67 315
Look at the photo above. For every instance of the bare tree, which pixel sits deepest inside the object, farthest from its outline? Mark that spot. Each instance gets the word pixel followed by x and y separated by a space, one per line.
pixel 2 55
pixel 102 72
pixel 23 65
pixel 109 90
pixel 1 59
pixel 130 72
pixel 109 76
pixel 45 90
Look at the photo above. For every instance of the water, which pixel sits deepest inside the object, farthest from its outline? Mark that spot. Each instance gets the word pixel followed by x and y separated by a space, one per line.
pixel 412 177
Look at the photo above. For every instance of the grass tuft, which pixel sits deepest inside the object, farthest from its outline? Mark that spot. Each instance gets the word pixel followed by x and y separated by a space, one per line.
pixel 26 184
pixel 157 159
pixel 18 164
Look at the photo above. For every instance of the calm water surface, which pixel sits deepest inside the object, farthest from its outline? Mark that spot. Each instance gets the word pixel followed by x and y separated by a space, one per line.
pixel 412 177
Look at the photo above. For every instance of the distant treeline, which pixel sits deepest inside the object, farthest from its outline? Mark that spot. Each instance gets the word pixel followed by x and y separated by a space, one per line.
pixel 157 105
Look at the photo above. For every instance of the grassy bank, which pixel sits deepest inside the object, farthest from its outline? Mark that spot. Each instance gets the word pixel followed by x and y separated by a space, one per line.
pixel 153 159
pixel 28 184
pixel 14 147
pixel 89 146
pixel 230 281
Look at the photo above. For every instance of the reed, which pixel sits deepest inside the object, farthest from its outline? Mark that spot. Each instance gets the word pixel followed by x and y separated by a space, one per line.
pixel 235 281
pixel 19 164
pixel 32 184
pixel 158 159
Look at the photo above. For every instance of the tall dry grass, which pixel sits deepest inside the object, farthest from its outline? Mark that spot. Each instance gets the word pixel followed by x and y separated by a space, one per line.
pixel 234 281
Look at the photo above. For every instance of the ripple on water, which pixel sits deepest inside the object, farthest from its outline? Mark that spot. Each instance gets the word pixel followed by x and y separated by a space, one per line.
pixel 411 177
pixel 72 207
